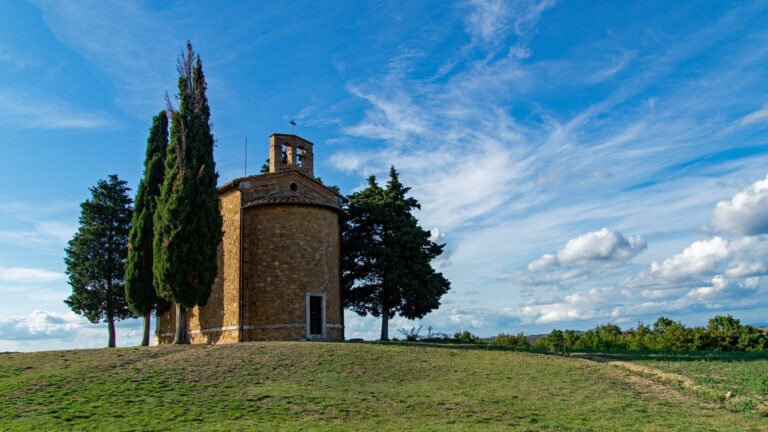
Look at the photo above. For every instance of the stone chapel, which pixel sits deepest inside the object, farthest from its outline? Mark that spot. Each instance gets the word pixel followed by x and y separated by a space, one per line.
pixel 279 274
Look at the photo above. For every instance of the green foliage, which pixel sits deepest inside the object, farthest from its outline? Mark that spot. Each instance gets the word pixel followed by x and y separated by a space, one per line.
pixel 95 257
pixel 386 255
pixel 554 341
pixel 507 340
pixel 333 188
pixel 723 333
pixel 265 167
pixel 465 337
pixel 187 220
pixel 139 285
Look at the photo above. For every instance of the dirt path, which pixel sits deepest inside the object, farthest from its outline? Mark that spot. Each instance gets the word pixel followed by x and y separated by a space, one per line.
pixel 669 383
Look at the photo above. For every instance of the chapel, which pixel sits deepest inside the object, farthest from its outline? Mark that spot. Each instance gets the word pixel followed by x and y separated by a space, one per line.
pixel 279 274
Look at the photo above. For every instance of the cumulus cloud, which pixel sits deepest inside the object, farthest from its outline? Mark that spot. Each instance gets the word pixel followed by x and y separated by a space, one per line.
pixel 700 258
pixel 43 329
pixel 41 324
pixel 435 235
pixel 604 247
pixel 545 262
pixel 741 257
pixel 722 288
pixel 589 304
pixel 600 246
pixel 746 213
pixel 744 267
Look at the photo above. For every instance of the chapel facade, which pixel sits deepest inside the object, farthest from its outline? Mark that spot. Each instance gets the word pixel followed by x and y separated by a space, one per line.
pixel 279 262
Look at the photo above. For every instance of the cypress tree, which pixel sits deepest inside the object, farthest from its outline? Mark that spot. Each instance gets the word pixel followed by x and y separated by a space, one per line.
pixel 95 257
pixel 187 220
pixel 386 255
pixel 139 279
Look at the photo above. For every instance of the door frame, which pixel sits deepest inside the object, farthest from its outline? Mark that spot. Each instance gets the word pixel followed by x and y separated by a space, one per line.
pixel 309 327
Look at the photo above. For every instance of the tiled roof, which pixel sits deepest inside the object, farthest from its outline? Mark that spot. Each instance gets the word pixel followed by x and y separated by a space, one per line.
pixel 288 199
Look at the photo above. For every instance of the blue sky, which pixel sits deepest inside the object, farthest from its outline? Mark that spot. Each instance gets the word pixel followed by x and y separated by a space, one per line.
pixel 585 162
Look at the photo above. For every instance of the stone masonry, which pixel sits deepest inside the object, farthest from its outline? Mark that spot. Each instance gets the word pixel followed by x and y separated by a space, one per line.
pixel 279 260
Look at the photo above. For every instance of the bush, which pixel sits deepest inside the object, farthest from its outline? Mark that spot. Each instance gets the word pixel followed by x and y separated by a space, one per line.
pixel 670 335
pixel 554 341
pixel 465 337
pixel 723 333
pixel 507 340
pixel 602 337
pixel 411 335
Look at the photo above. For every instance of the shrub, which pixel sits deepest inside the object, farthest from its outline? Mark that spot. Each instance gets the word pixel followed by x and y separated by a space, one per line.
pixel 507 340
pixel 411 335
pixel 465 337
pixel 670 335
pixel 602 337
pixel 554 341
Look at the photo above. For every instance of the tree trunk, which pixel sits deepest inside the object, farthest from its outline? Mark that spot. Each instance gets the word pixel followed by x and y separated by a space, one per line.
pixel 182 336
pixel 111 321
pixel 147 324
pixel 384 324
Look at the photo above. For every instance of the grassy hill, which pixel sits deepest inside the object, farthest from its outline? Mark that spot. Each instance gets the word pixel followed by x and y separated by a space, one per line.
pixel 350 386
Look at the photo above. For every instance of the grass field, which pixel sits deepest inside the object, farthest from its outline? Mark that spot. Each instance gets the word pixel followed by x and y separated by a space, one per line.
pixel 345 386
pixel 710 375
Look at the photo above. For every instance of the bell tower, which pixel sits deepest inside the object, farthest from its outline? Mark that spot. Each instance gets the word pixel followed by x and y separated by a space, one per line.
pixel 289 152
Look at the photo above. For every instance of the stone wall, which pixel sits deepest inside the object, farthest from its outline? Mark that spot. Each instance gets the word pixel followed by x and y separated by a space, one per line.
pixel 284 183
pixel 289 251
pixel 218 320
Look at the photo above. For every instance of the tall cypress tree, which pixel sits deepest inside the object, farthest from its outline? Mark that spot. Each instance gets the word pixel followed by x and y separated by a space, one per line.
pixel 386 256
pixel 95 257
pixel 187 220
pixel 139 279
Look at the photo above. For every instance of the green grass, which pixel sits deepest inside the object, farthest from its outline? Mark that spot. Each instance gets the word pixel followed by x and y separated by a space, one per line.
pixel 745 374
pixel 340 386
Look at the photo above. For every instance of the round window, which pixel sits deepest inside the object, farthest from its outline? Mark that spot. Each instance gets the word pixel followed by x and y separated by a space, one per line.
pixel 294 187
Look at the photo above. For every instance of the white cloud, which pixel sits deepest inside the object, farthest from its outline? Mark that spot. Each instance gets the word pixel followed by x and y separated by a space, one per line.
pixel 43 329
pixel 134 47
pixel 756 116
pixel 492 20
pixel 746 268
pixel 572 307
pixel 746 213
pixel 23 110
pixel 41 324
pixel 603 247
pixel 29 275
pixel 435 235
pixel 545 262
pixel 721 288
pixel 699 259
pixel 738 258
pixel 44 233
